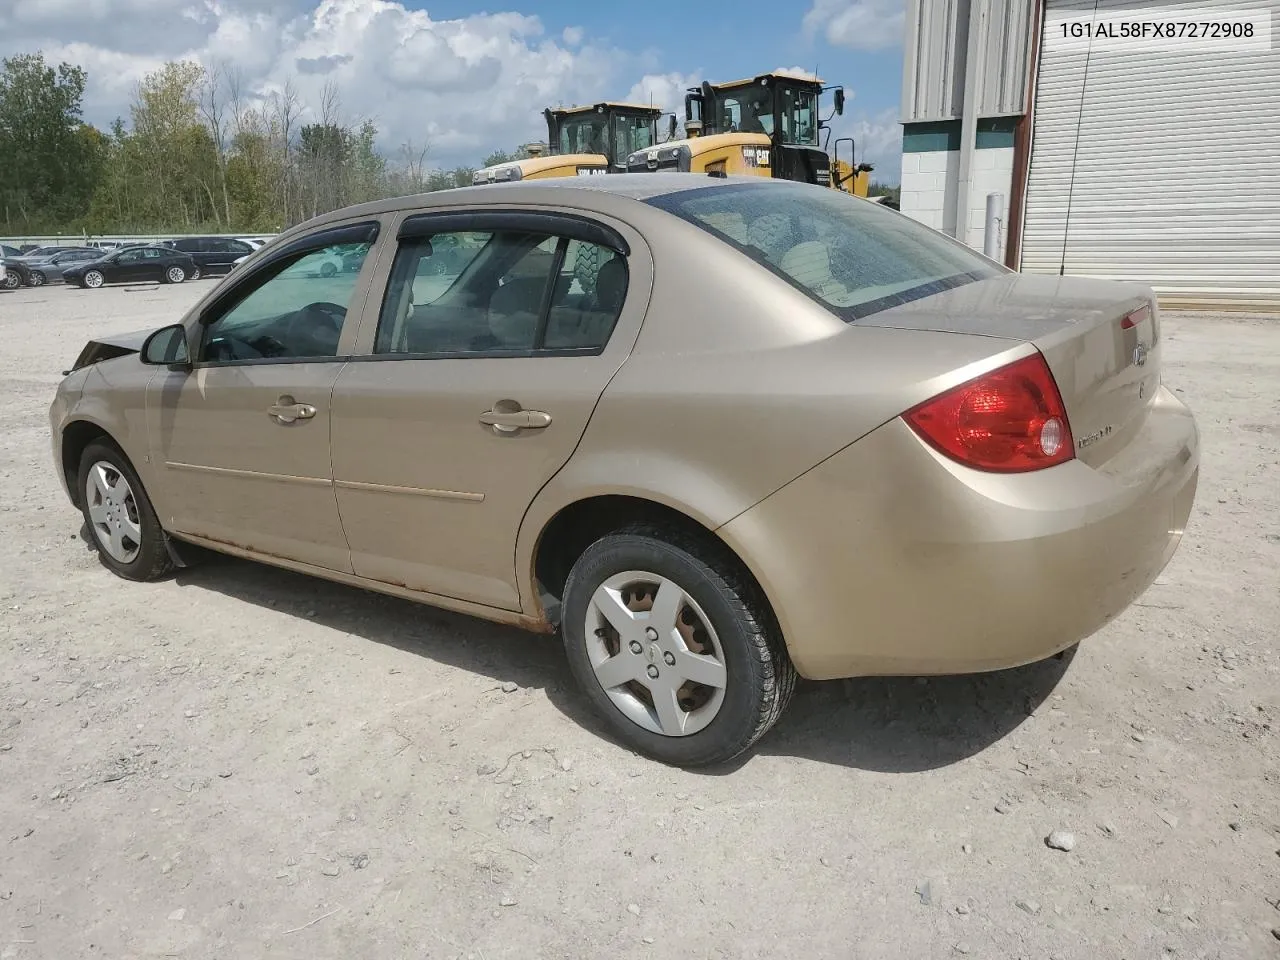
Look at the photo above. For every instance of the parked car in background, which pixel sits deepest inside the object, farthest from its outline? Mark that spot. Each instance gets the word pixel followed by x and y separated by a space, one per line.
pixel 212 255
pixel 133 265
pixel 44 253
pixel 8 251
pixel 49 269
pixel 16 274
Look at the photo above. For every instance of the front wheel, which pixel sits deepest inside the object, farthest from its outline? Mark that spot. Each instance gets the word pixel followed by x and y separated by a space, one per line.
pixel 12 281
pixel 119 515
pixel 93 280
pixel 675 646
pixel 195 273
pixel 175 275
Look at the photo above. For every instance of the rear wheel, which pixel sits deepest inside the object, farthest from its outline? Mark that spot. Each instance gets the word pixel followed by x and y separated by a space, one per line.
pixel 93 280
pixel 119 515
pixel 37 278
pixel 194 273
pixel 675 646
pixel 175 275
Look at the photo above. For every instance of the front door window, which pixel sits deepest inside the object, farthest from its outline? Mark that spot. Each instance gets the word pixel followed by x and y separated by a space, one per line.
pixel 297 312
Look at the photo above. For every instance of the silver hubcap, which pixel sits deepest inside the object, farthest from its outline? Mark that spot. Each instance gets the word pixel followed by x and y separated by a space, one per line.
pixel 655 653
pixel 113 512
pixel 176 275
pixel 93 278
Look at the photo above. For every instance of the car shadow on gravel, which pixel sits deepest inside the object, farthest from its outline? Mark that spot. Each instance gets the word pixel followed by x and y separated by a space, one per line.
pixel 883 724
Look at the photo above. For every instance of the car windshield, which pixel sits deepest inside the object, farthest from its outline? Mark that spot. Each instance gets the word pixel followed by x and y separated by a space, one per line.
pixel 852 256
pixel 585 133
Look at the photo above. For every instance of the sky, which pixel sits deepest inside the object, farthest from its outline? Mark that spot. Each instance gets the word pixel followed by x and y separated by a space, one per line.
pixel 470 76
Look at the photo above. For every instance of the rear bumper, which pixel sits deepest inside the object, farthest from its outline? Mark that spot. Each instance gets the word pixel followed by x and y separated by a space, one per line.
pixel 889 558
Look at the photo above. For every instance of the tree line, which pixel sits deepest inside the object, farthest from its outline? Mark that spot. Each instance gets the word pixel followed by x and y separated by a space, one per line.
pixel 199 153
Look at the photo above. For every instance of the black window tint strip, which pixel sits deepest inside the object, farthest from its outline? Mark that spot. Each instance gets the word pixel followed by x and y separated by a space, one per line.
pixel 516 221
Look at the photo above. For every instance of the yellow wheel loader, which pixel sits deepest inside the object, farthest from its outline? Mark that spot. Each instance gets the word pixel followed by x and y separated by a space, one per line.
pixel 584 141
pixel 765 126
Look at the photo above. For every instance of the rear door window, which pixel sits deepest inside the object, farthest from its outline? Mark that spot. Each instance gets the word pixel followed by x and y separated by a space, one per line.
pixel 854 257
pixel 500 293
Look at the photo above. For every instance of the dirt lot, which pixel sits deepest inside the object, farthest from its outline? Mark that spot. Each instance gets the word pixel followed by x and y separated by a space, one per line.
pixel 246 763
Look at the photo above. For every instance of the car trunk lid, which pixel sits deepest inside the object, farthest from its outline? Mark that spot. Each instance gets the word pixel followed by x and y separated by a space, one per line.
pixel 1101 340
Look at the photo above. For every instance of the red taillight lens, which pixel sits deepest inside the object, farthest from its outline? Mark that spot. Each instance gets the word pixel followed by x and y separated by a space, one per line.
pixel 1010 420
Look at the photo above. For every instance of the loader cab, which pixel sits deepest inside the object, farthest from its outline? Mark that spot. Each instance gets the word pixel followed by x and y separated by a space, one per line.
pixel 783 107
pixel 611 130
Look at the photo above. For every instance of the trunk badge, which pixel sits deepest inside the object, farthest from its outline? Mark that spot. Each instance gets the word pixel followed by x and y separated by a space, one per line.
pixel 1139 355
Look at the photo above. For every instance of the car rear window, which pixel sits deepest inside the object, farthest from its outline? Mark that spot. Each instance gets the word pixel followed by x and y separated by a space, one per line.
pixel 854 257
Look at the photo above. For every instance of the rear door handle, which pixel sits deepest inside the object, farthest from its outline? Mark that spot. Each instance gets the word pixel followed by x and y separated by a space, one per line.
pixel 286 410
pixel 511 421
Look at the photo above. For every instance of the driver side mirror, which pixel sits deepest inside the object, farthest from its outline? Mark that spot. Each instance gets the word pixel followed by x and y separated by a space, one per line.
pixel 839 101
pixel 167 347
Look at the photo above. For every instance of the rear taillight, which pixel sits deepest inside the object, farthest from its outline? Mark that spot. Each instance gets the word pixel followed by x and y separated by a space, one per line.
pixel 1009 421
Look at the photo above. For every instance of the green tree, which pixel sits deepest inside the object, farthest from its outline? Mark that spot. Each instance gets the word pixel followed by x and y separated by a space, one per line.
pixel 51 160
pixel 502 156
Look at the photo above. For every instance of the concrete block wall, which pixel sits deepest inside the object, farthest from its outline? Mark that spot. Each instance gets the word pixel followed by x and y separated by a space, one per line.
pixel 931 173
pixel 929 188
pixel 992 173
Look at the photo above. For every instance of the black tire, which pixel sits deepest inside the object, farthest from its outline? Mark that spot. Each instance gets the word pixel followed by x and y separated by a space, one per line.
pixel 328 270
pixel 152 561
pixel 194 273
pixel 760 676
pixel 12 281
pixel 37 279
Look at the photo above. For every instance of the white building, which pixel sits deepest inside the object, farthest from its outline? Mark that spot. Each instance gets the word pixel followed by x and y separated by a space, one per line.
pixel 1153 158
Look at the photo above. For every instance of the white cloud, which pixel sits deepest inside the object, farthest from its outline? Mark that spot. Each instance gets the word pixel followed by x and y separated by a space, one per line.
pixel 665 90
pixel 799 73
pixel 466 85
pixel 857 24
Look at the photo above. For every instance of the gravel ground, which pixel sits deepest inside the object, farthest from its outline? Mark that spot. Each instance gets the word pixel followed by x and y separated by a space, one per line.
pixel 242 762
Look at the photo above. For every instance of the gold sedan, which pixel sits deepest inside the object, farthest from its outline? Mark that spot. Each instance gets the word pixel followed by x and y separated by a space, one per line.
pixel 718 432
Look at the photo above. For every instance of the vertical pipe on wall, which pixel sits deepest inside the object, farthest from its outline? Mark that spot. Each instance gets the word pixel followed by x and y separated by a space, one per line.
pixel 991 233
pixel 1022 141
pixel 973 71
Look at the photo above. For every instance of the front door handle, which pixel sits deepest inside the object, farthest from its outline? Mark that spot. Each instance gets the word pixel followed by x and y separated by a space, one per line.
pixel 513 420
pixel 286 410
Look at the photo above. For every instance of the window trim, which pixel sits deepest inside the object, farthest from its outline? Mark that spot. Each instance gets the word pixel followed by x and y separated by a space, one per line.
pixel 364 231
pixel 548 223
pixel 554 224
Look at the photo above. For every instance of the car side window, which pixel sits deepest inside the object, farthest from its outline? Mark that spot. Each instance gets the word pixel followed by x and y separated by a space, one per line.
pixel 294 311
pixel 150 253
pixel 500 293
pixel 129 256
pixel 588 298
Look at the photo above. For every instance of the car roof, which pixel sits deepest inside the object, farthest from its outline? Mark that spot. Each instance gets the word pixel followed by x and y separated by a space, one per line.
pixel 635 186
pixel 596 194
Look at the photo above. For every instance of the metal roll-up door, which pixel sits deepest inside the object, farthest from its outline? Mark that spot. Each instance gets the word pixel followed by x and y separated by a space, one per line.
pixel 1159 165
